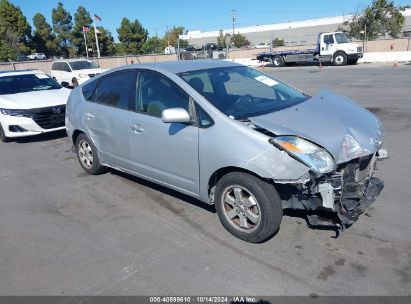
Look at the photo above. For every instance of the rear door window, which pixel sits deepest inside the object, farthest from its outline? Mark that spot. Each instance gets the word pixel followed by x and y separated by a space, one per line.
pixel 116 89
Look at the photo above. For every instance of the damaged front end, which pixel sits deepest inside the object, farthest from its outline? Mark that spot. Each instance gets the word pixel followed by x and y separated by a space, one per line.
pixel 338 198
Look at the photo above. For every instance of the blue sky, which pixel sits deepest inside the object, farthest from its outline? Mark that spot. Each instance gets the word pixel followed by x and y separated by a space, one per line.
pixel 203 15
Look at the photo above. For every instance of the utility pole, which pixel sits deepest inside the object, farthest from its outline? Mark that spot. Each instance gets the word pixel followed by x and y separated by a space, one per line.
pixel 234 18
pixel 168 36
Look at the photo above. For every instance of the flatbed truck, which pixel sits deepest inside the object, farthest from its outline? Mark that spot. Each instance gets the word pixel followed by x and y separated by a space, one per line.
pixel 332 47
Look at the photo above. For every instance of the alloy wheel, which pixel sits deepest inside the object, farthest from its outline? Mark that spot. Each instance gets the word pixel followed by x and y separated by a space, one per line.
pixel 241 208
pixel 85 154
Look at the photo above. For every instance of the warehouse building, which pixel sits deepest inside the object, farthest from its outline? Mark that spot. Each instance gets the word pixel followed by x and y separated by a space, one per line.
pixel 293 32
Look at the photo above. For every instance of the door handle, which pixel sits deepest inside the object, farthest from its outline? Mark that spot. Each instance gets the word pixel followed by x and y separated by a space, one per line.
pixel 89 116
pixel 136 128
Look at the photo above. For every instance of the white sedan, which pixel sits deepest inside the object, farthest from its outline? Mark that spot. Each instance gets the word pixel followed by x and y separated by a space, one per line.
pixel 37 56
pixel 30 103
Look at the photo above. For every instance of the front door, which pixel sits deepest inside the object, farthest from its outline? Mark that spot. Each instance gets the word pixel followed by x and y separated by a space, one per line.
pixel 163 151
pixel 327 45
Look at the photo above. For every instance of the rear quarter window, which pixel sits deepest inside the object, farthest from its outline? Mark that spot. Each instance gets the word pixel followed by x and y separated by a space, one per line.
pixel 89 90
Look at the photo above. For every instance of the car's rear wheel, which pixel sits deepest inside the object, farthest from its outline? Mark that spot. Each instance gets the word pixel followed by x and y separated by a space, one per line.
pixel 3 137
pixel 248 207
pixel 88 156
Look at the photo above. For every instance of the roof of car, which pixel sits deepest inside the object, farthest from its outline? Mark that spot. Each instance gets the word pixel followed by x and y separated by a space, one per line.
pixel 19 72
pixel 179 66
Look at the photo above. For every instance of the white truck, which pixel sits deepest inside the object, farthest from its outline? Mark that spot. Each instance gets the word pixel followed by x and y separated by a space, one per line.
pixel 333 47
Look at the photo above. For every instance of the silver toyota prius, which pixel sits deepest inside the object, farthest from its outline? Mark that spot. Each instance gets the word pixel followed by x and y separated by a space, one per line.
pixel 234 137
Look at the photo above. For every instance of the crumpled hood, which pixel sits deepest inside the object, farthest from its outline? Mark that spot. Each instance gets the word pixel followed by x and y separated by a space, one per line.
pixel 35 99
pixel 327 119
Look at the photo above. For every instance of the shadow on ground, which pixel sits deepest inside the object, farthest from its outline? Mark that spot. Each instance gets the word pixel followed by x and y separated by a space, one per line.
pixel 41 137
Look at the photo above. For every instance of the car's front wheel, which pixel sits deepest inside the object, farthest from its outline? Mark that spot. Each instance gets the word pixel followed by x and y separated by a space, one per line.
pixel 3 137
pixel 248 207
pixel 340 58
pixel 88 156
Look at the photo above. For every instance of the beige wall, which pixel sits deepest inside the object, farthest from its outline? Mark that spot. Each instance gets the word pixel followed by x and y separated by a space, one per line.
pixel 111 62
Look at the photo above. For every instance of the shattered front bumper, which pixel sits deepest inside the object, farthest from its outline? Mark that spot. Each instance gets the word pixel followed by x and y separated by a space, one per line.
pixel 348 210
pixel 338 199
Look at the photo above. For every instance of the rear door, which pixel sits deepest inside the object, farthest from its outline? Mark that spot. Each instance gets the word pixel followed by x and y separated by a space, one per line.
pixel 107 116
pixel 163 151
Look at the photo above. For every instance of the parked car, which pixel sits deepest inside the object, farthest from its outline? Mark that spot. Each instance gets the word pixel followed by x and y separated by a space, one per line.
pixel 262 45
pixel 74 71
pixel 22 58
pixel 231 136
pixel 30 103
pixel 210 46
pixel 37 56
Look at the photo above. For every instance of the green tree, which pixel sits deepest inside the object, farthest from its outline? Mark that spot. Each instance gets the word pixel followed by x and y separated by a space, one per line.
pixel 239 40
pixel 81 18
pixel 153 45
pixel 278 42
pixel 380 18
pixel 172 35
pixel 132 36
pixel 15 31
pixel 62 25
pixel 223 39
pixel 44 39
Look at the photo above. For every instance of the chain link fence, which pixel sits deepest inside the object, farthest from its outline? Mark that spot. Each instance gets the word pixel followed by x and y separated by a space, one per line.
pixel 383 45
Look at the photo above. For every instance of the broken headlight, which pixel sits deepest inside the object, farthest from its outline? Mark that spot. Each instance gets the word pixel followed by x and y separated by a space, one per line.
pixel 315 157
pixel 350 149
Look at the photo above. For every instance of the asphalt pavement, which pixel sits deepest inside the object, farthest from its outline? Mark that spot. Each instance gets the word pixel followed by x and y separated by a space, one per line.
pixel 63 232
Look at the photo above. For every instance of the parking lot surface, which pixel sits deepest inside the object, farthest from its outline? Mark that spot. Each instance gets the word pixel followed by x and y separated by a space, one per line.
pixel 63 232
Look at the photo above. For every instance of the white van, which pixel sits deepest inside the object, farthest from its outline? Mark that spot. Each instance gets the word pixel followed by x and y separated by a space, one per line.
pixel 74 71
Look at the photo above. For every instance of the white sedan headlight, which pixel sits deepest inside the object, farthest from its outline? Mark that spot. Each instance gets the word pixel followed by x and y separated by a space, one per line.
pixel 82 75
pixel 315 157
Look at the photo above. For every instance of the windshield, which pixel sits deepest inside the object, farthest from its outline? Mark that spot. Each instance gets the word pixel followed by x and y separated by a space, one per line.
pixel 26 83
pixel 341 38
pixel 82 65
pixel 242 92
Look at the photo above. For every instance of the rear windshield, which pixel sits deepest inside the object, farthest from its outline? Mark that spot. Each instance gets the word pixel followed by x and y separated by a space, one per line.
pixel 25 83
pixel 83 65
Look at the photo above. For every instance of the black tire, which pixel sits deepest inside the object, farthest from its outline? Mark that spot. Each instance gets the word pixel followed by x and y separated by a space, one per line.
pixel 75 83
pixel 278 61
pixel 90 162
pixel 3 137
pixel 267 207
pixel 340 59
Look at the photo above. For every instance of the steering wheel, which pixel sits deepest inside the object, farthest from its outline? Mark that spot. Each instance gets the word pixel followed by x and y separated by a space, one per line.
pixel 247 98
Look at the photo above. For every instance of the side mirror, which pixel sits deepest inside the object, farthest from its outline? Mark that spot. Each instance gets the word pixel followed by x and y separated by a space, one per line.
pixel 65 84
pixel 175 115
